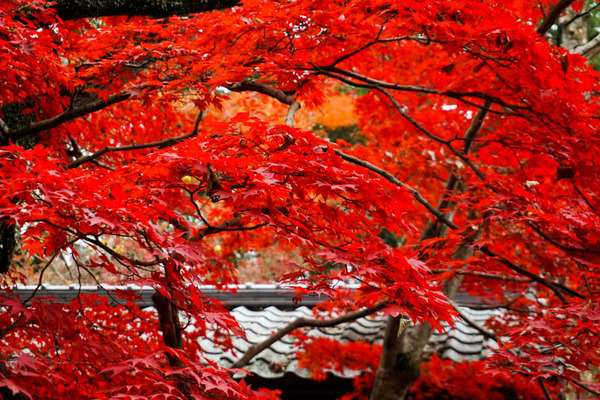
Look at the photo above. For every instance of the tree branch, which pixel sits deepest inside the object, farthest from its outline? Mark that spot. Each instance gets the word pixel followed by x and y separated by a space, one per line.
pixel 75 9
pixel 4 129
pixel 581 385
pixel 414 192
pixel 580 15
pixel 374 83
pixel 558 245
pixel 270 91
pixel 590 49
pixel 484 275
pixel 300 323
pixel 438 139
pixel 66 116
pixel 556 287
pixel 475 325
pixel 544 388
pixel 160 144
pixel 553 16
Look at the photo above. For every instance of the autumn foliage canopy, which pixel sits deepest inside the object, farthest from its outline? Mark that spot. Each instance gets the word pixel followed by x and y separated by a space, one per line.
pixel 167 152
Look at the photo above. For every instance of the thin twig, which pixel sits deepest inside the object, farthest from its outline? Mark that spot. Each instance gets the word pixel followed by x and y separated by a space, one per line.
pixel 581 385
pixel 583 14
pixel 484 275
pixel 556 287
pixel 336 72
pixel 40 279
pixel 561 246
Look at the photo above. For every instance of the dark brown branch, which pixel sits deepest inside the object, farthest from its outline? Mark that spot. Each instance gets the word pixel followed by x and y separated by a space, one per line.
pixel 581 385
pixel 488 334
pixel 476 126
pixel 168 317
pixel 553 16
pixel 301 323
pixel 544 388
pixel 169 322
pixel 484 275
pixel 581 15
pixel 438 139
pixel 227 226
pixel 556 287
pixel 415 193
pixel 338 73
pixel 68 115
pixel 159 144
pixel 270 91
pixel 75 9
pixel 558 245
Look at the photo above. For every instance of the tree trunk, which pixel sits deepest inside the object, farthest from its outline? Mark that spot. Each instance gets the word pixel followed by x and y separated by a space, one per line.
pixel 573 31
pixel 168 316
pixel 403 349
pixel 75 9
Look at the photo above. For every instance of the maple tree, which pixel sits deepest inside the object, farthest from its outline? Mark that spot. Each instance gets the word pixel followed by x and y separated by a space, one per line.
pixel 478 152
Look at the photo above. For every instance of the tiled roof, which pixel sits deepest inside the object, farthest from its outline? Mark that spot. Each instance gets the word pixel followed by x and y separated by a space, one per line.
pixel 249 295
pixel 462 343
pixel 262 309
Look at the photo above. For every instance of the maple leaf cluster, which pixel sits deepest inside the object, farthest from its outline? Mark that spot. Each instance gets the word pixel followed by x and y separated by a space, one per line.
pixel 122 160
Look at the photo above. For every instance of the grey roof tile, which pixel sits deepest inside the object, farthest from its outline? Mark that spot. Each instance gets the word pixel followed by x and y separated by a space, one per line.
pixel 461 343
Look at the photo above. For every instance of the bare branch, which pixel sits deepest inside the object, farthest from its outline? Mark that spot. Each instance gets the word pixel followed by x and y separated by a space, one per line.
pixel 300 323
pixel 41 278
pixel 277 94
pixel 227 226
pixel 4 129
pixel 544 388
pixel 580 15
pixel 553 16
pixel 476 126
pixel 159 144
pixel 76 9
